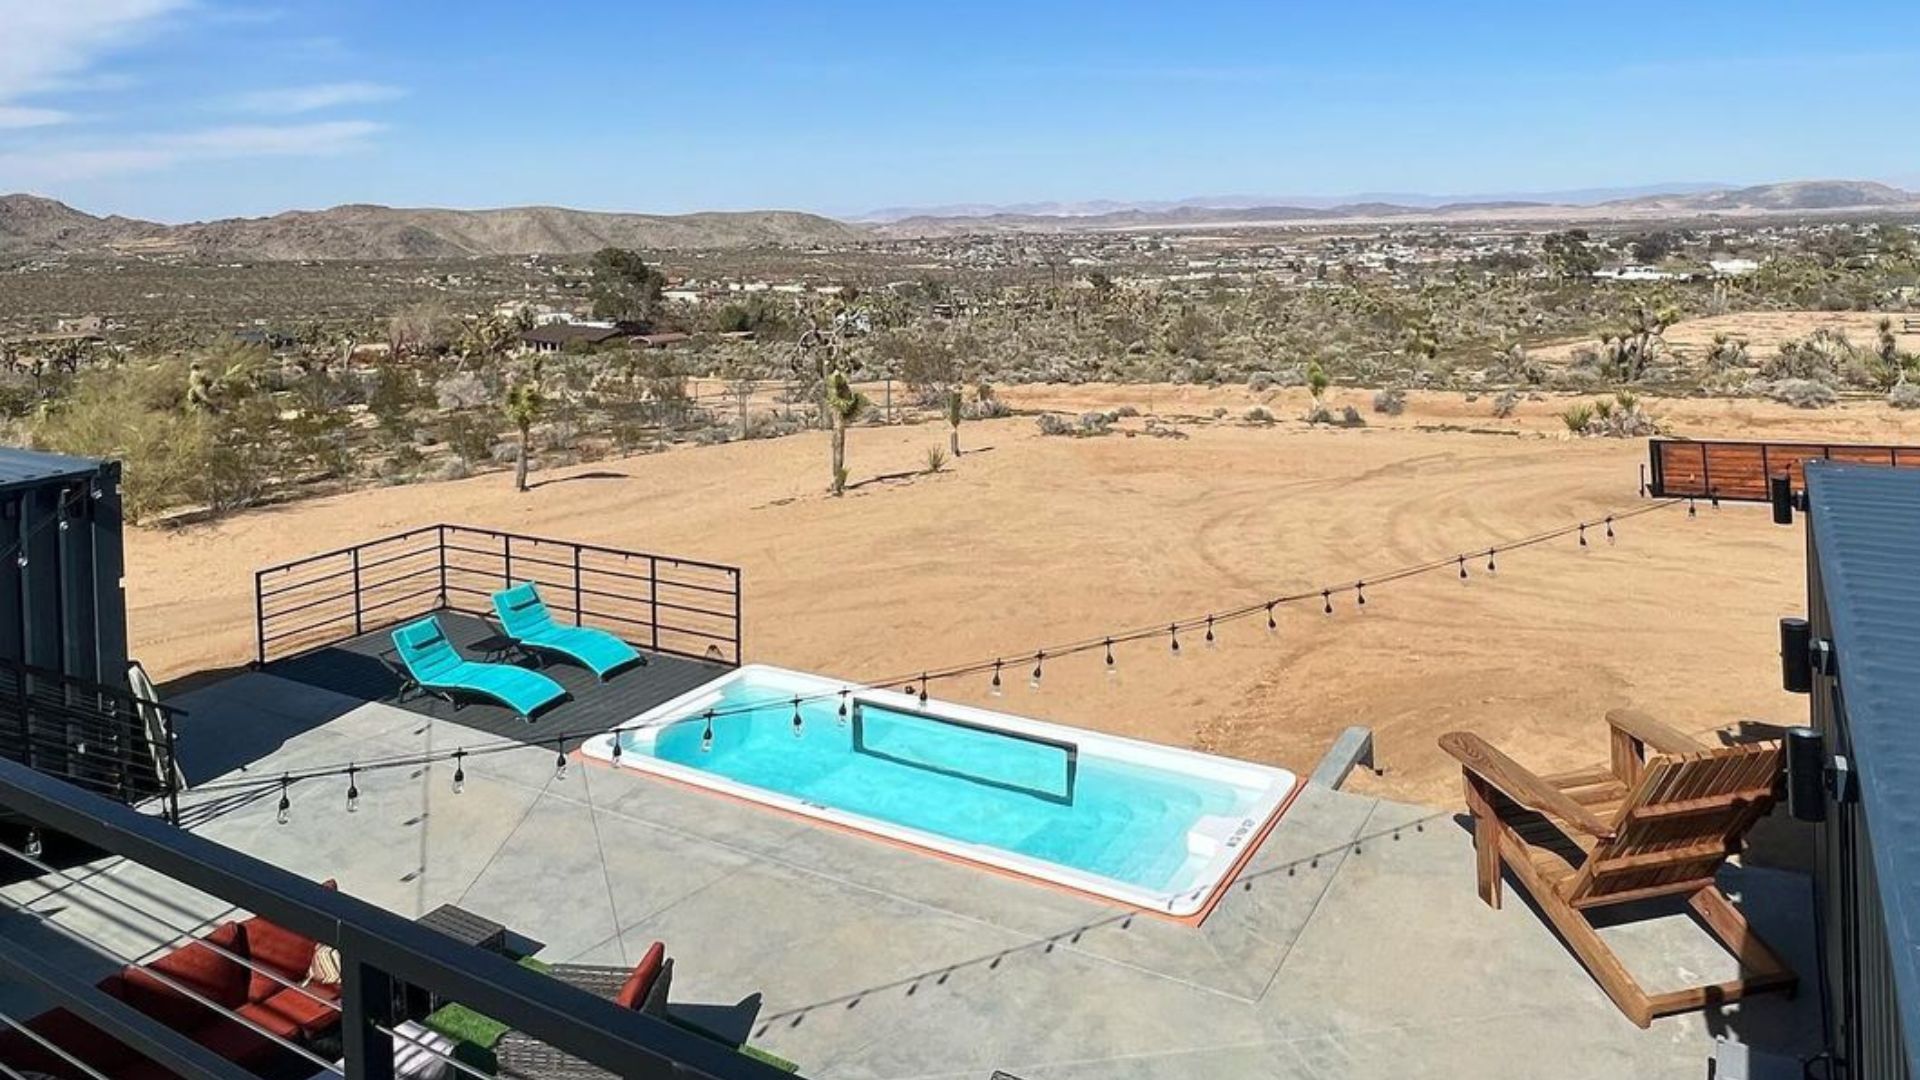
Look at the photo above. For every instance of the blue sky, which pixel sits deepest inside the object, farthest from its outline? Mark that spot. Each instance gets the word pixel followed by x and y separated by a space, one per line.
pixel 185 109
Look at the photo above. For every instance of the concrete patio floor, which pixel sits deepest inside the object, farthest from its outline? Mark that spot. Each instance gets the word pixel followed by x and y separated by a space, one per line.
pixel 1352 945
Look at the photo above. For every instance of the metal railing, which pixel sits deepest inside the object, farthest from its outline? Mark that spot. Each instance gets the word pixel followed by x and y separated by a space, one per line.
pixel 97 737
pixel 379 951
pixel 667 604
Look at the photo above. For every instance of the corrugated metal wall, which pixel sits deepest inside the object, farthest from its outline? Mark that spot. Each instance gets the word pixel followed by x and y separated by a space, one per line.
pixel 1863 1018
pixel 65 610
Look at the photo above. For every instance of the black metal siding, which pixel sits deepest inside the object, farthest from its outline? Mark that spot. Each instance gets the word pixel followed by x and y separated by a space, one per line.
pixel 65 610
pixel 1863 594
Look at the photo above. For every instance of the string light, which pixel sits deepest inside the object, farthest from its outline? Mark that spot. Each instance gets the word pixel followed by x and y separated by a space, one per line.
pixel 1583 534
pixel 843 705
pixel 1360 593
pixel 1211 641
pixel 616 748
pixel 1173 640
pixel 923 688
pixel 798 723
pixel 353 791
pixel 459 771
pixel 1111 669
pixel 1609 528
pixel 1463 567
pixel 559 759
pixel 1692 510
pixel 925 678
pixel 285 812
pixel 35 848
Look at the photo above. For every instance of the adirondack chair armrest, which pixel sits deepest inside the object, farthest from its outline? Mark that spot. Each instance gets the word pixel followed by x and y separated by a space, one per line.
pixel 1518 783
pixel 1663 737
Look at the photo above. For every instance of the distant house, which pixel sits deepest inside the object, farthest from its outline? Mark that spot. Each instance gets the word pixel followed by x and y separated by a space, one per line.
pixel 555 336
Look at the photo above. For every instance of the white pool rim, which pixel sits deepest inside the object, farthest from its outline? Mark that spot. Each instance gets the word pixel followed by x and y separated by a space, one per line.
pixel 1220 842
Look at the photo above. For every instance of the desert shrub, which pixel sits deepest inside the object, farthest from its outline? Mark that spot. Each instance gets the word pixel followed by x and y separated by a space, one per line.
pixel 1053 424
pixel 463 390
pixel 1125 411
pixel 1727 352
pixel 1095 423
pixel 1350 417
pixel 1904 395
pixel 1804 393
pixel 1259 415
pixel 1318 413
pixel 1504 405
pixel 1577 417
pixel 1219 412
pixel 1392 401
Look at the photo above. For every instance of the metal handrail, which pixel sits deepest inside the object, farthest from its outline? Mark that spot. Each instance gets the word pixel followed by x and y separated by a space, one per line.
pixel 377 949
pixel 661 602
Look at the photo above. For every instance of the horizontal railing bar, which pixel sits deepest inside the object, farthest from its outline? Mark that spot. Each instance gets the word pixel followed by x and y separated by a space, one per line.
pixel 350 549
pixel 415 595
pixel 665 559
pixel 50 678
pixel 284 634
pixel 347 597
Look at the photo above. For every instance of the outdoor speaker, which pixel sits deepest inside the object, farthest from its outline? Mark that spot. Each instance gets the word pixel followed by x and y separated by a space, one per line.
pixel 1780 493
pixel 1796 656
pixel 1806 774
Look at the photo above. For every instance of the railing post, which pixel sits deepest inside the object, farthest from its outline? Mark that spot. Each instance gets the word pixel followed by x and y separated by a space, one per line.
pixel 260 618
pixel 442 529
pixel 25 695
pixel 357 629
pixel 366 995
pixel 653 599
pixel 738 657
pixel 576 585
pixel 172 767
pixel 506 565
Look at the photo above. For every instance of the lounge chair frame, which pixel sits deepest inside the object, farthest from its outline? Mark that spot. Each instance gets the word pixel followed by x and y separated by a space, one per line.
pixel 1634 829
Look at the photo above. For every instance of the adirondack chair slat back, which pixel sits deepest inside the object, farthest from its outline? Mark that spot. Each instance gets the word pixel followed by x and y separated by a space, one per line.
pixel 1679 823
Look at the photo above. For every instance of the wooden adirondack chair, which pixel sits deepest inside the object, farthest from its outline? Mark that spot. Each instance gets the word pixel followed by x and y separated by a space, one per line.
pixel 1633 829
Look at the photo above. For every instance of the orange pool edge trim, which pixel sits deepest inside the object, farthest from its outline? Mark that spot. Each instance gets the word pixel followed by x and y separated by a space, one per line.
pixel 1213 900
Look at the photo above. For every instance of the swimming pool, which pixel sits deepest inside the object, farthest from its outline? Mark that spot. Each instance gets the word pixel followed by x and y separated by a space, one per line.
pixel 1151 826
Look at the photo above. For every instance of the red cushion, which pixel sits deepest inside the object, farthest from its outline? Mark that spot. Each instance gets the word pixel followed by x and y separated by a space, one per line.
pixel 299 1009
pixel 286 953
pixel 633 993
pixel 198 968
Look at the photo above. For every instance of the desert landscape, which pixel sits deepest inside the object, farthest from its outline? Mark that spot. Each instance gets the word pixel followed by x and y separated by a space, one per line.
pixel 927 570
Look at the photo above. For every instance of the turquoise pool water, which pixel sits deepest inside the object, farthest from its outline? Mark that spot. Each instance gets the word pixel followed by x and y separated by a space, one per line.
pixel 1124 821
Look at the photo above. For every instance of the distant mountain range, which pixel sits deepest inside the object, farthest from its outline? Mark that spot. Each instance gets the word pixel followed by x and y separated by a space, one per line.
pixel 32 225
pixel 1802 196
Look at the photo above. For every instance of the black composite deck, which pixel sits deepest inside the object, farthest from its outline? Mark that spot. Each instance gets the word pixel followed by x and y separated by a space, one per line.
pixel 355 669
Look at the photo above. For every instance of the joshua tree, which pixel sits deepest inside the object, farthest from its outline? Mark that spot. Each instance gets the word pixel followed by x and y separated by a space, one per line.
pixel 953 421
pixel 844 406
pixel 523 406
pixel 1317 381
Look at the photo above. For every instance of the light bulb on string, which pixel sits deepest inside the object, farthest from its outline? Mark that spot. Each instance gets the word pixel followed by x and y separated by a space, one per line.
pixel 1210 639
pixel 1583 534
pixel 1463 567
pixel 1173 640
pixel 1033 680
pixel 1112 669
pixel 923 688
pixel 799 725
pixel 353 790
pixel 1692 510
pixel 843 705
pixel 706 735
pixel 1326 601
pixel 993 688
pixel 284 813
pixel 1609 528
pixel 615 755
pixel 1491 568
pixel 459 771
pixel 559 760
pixel 1273 624
pixel 1360 594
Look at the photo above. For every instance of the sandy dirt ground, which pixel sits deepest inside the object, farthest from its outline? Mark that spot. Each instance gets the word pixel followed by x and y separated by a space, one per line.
pixel 1028 541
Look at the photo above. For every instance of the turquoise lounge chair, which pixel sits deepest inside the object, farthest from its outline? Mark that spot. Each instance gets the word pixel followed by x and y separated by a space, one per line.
pixel 433 665
pixel 526 620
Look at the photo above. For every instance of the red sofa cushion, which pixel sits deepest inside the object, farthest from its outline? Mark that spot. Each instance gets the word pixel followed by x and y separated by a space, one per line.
pixel 198 968
pixel 274 946
pixel 633 993
pixel 295 1012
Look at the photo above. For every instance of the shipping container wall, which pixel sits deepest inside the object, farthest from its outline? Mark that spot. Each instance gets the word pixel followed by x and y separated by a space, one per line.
pixel 65 609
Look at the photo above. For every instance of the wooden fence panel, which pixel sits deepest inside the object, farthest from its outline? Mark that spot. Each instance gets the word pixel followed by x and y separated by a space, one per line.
pixel 1740 470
